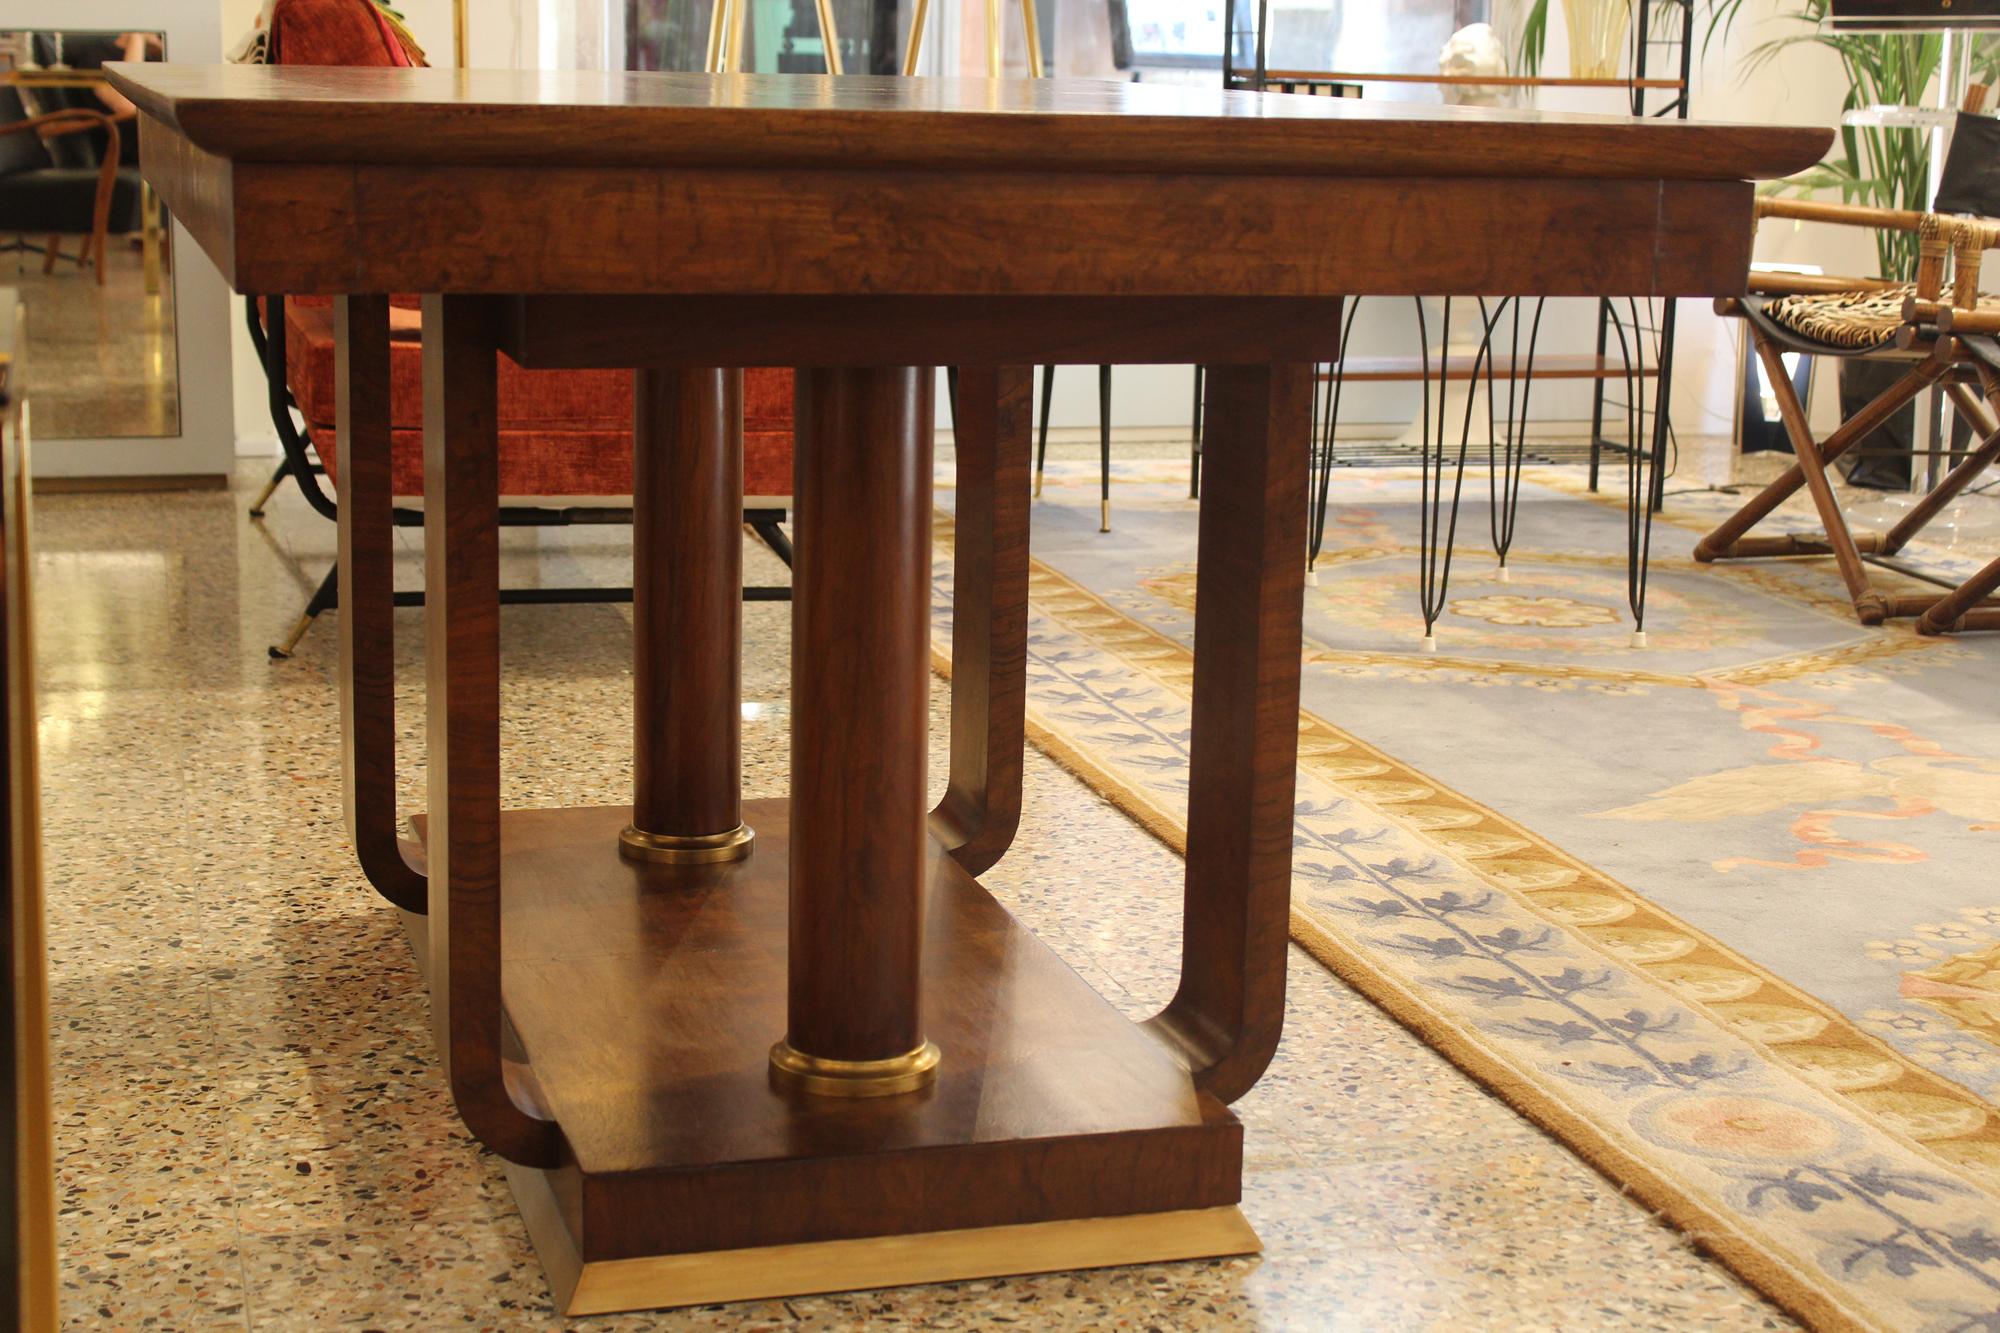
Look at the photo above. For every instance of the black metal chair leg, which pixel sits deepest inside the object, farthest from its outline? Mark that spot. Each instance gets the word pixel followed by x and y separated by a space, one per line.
pixel 773 536
pixel 1324 459
pixel 1104 448
pixel 1437 527
pixel 264 496
pixel 1597 398
pixel 1643 464
pixel 325 598
pixel 1663 394
pixel 1194 445
pixel 1042 446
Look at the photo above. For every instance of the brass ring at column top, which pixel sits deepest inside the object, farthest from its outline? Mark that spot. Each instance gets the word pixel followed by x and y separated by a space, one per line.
pixel 854 1078
pixel 690 849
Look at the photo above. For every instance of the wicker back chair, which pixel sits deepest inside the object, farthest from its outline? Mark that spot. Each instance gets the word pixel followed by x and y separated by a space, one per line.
pixel 1936 326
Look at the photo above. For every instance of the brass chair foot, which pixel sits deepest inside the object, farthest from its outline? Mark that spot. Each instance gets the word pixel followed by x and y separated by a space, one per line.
pixel 1104 515
pixel 279 652
pixel 1038 483
pixel 263 498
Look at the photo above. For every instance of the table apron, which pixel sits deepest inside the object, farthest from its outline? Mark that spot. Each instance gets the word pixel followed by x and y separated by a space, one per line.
pixel 489 230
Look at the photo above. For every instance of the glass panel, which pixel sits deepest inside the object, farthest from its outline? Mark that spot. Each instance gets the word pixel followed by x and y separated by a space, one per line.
pixel 1167 33
pixel 90 244
pixel 1397 37
pixel 780 36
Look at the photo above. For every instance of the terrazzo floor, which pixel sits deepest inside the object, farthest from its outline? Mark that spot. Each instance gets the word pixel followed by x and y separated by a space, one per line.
pixel 252 1131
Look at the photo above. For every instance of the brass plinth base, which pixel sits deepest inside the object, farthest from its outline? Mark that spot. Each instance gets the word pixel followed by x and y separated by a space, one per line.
pixel 717 1276
pixel 854 1078
pixel 638 845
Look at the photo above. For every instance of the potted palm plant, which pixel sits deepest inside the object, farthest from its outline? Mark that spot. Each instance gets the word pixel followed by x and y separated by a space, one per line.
pixel 1881 165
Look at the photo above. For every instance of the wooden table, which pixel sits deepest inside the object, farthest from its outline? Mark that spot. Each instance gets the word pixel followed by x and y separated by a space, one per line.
pixel 753 1049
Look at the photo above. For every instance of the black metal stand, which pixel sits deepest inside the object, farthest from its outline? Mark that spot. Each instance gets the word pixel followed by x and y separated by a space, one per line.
pixel 1245 65
pixel 1679 40
pixel 1103 436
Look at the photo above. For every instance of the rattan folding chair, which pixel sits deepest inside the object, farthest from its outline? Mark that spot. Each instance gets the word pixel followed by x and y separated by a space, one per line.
pixel 1945 338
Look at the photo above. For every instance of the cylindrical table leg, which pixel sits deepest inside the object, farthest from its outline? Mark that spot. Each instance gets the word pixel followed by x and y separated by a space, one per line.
pixel 687 617
pixel 860 688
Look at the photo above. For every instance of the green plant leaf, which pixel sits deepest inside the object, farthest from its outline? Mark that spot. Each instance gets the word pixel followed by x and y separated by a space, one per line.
pixel 1534 39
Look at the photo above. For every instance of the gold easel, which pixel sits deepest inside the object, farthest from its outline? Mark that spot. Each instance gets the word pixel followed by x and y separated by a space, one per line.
pixel 1030 28
pixel 727 20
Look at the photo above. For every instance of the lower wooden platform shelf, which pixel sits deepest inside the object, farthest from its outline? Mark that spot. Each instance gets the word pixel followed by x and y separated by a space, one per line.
pixel 645 999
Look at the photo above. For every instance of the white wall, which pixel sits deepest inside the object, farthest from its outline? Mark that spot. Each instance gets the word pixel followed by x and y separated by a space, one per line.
pixel 1804 87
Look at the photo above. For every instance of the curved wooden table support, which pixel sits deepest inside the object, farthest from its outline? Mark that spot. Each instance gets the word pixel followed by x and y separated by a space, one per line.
pixel 495 1097
pixel 981 809
pixel 1227 1013
pixel 368 614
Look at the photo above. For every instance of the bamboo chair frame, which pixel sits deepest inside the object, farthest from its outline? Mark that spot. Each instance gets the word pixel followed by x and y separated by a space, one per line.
pixel 1936 322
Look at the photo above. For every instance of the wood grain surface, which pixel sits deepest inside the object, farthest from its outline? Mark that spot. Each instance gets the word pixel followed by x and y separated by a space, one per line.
pixel 494 1096
pixel 928 233
pixel 261 113
pixel 981 808
pixel 687 604
pixel 861 660
pixel 339 180
pixel 560 332
pixel 647 997
pixel 1243 754
pixel 367 618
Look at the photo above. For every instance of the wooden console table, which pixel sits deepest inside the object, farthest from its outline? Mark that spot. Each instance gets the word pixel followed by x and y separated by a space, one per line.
pixel 746 1049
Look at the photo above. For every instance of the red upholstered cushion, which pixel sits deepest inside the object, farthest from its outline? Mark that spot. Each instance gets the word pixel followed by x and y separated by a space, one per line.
pixel 562 432
pixel 529 399
pixel 333 32
pixel 579 463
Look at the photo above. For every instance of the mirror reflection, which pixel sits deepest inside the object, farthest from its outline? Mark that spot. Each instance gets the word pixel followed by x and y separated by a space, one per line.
pixel 89 244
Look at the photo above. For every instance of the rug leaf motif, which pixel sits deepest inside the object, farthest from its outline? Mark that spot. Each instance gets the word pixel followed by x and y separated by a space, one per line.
pixel 1508 981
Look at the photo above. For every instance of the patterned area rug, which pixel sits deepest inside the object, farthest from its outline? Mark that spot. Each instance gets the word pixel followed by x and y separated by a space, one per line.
pixel 1720 913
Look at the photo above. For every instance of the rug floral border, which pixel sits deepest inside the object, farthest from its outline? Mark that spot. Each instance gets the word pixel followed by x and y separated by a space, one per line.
pixel 1871 1218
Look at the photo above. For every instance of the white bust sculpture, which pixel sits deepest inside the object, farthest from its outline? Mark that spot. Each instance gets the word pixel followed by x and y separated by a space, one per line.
pixel 1475 50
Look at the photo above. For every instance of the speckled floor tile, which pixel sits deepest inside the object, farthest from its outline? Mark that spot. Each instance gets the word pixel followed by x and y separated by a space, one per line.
pixel 252 1130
